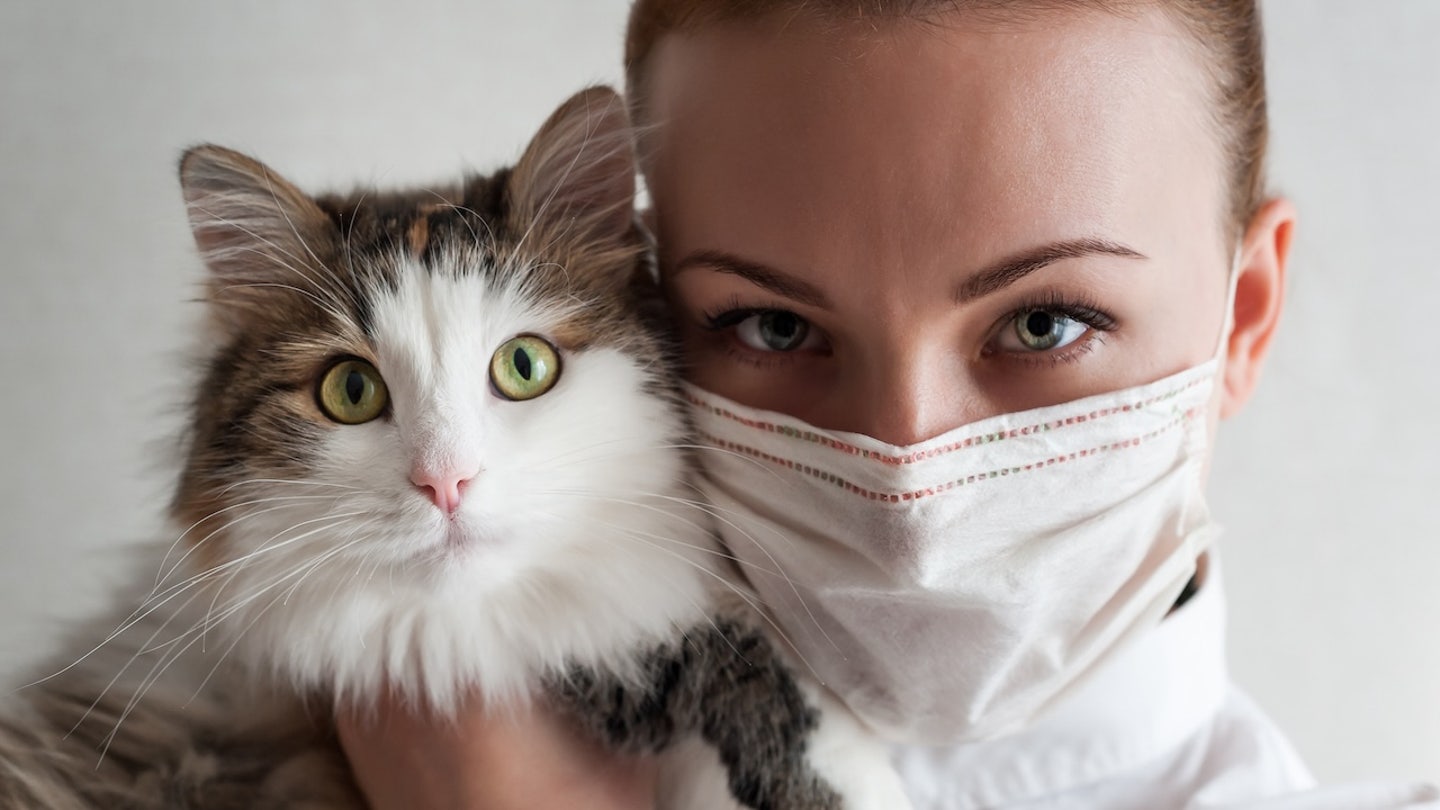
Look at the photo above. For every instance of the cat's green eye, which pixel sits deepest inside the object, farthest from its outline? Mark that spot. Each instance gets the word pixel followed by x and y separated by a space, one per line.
pixel 352 392
pixel 524 367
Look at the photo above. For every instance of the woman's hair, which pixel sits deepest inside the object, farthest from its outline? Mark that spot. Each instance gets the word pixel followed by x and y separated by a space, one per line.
pixel 1228 33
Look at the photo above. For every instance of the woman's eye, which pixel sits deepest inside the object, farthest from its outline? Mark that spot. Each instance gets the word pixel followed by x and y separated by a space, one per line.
pixel 1039 330
pixel 775 331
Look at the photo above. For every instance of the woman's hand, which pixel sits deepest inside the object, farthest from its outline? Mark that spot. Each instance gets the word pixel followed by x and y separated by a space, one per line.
pixel 530 758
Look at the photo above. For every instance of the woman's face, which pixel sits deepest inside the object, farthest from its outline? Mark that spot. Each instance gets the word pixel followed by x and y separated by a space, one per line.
pixel 901 228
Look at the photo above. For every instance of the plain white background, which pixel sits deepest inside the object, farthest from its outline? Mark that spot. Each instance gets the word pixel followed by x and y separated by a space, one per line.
pixel 1327 483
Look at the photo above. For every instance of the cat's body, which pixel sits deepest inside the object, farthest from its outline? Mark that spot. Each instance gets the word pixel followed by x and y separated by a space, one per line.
pixel 436 450
pixel 77 742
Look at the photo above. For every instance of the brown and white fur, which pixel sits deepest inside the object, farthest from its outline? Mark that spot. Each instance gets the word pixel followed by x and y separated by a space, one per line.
pixel 315 566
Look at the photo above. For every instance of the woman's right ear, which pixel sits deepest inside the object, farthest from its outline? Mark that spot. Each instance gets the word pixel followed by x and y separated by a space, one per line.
pixel 1259 294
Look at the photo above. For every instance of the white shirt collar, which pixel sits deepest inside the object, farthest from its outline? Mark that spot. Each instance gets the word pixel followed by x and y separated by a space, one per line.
pixel 1151 697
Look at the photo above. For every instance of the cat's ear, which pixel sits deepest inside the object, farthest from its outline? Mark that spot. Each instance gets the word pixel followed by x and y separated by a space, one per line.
pixel 576 181
pixel 258 234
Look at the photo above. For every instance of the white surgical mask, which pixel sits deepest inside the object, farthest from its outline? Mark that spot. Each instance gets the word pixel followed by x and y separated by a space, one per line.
pixel 953 589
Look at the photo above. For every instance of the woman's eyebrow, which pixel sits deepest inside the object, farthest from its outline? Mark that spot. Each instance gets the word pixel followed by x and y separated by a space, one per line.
pixel 763 276
pixel 1011 269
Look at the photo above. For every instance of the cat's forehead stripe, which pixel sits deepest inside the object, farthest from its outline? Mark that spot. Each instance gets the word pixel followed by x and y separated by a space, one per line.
pixel 418 236
pixel 426 223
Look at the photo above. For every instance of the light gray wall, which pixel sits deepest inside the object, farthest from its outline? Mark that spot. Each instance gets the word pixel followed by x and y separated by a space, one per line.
pixel 1328 482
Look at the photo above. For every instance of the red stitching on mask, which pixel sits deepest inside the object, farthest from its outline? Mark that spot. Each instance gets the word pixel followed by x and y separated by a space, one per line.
pixel 915 495
pixel 973 441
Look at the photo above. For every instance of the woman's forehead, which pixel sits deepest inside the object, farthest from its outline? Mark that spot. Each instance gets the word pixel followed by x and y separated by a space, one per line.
pixel 1079 122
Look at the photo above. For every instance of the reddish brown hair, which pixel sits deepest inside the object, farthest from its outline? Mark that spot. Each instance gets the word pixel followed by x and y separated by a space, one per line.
pixel 1228 33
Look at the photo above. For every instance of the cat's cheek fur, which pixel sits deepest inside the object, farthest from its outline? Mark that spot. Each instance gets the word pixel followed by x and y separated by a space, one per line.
pixel 437 641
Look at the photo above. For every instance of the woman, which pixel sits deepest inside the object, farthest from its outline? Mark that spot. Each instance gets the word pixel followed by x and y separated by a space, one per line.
pixel 899 219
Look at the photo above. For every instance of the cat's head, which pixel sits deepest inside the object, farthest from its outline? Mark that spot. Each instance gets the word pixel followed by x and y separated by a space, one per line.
pixel 434 420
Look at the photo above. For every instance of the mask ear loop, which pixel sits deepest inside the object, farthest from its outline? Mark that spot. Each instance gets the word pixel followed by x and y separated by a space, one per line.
pixel 1198 439
pixel 1196 512
pixel 1227 325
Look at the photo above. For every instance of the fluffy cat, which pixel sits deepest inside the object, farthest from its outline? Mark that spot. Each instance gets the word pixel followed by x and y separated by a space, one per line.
pixel 436 448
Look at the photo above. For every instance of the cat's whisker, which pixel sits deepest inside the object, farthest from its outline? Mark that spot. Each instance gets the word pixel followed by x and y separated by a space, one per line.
pixel 144 611
pixel 163 574
pixel 260 614
pixel 199 631
pixel 339 549
pixel 755 463
pixel 701 609
pixel 299 482
pixel 356 532
pixel 169 657
pixel 289 592
pixel 569 454
pixel 719 514
pixel 269 547
pixel 140 649
pixel 213 570
pixel 126 667
pixel 703 504
pixel 210 575
pixel 573 453
pixel 166 658
pixel 716 513
pixel 699 505
pixel 751 600
pixel 716 551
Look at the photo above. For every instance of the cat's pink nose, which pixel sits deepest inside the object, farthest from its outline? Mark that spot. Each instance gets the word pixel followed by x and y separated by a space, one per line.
pixel 442 487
